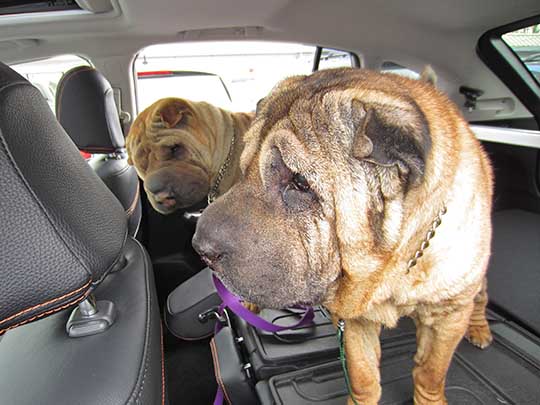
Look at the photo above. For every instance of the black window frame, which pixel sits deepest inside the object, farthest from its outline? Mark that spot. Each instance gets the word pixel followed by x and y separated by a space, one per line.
pixel 17 7
pixel 508 66
pixel 318 54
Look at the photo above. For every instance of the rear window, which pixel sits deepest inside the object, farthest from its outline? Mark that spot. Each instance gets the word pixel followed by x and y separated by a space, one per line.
pixel 231 75
pixel 392 67
pixel 525 43
pixel 36 6
pixel 46 73
pixel 335 58
pixel 193 85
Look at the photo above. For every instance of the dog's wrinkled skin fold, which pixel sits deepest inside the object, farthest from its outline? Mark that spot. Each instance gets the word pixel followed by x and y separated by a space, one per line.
pixel 178 146
pixel 344 172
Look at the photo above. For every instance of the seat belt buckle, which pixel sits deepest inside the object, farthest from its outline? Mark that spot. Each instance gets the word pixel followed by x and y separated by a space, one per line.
pixel 214 313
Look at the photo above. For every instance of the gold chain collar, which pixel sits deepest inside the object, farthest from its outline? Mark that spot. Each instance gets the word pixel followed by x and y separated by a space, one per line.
pixel 425 242
pixel 212 195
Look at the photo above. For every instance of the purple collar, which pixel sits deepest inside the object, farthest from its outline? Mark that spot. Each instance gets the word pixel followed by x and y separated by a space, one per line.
pixel 234 304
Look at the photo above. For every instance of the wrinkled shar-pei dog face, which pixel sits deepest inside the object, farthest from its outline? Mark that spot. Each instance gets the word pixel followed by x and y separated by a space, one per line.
pixel 170 146
pixel 326 166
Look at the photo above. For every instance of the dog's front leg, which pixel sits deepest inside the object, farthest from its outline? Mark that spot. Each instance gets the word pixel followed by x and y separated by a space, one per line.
pixel 438 334
pixel 363 354
pixel 479 333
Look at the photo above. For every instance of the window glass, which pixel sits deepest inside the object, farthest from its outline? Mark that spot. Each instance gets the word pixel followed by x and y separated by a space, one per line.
pixel 392 67
pixel 193 85
pixel 334 58
pixel 46 73
pixel 525 43
pixel 231 75
pixel 36 6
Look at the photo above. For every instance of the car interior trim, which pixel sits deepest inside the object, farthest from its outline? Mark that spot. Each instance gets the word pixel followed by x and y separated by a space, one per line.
pixel 510 136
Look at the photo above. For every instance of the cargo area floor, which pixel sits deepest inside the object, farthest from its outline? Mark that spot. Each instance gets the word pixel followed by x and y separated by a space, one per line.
pixel 507 372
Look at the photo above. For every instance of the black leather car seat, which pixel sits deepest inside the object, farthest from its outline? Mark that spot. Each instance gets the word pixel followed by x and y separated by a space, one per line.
pixel 86 109
pixel 59 248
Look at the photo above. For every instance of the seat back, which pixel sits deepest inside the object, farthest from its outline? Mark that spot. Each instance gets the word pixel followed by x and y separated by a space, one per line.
pixel 86 109
pixel 58 247
pixel 52 256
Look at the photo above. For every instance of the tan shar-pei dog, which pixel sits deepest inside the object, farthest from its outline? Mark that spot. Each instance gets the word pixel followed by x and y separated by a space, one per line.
pixel 346 175
pixel 180 147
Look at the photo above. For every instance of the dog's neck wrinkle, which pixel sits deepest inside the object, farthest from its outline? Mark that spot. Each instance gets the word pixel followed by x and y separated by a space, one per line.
pixel 356 289
pixel 233 170
pixel 211 126
pixel 221 146
pixel 353 293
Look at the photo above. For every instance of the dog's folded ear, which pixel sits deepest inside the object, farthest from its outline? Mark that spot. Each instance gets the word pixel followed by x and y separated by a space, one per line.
pixel 171 114
pixel 428 75
pixel 391 136
pixel 259 104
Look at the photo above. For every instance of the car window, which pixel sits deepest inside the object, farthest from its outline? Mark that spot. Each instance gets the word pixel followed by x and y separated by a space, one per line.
pixel 12 7
pixel 46 73
pixel 525 43
pixel 197 86
pixel 392 67
pixel 232 75
pixel 334 58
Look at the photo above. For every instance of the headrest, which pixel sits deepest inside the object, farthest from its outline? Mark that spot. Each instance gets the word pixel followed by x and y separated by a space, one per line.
pixel 85 107
pixel 62 229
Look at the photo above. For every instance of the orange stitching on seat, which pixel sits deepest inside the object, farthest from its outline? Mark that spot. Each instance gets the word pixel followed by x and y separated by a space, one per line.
pixel 133 205
pixel 46 303
pixel 98 148
pixel 83 297
pixel 162 366
pixel 217 373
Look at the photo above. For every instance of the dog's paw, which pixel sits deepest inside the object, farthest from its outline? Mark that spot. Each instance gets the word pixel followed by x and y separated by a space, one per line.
pixel 480 336
pixel 351 402
pixel 419 400
pixel 252 307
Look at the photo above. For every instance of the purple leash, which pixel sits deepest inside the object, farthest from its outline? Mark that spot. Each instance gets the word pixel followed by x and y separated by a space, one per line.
pixel 234 303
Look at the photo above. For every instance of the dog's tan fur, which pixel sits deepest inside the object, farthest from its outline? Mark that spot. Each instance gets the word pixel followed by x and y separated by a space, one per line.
pixel 382 154
pixel 202 131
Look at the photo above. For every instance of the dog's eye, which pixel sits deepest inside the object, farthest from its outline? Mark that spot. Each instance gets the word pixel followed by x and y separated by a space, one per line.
pixel 299 182
pixel 297 194
pixel 177 150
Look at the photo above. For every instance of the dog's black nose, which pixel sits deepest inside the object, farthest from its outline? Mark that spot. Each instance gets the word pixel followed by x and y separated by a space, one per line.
pixel 216 236
pixel 208 251
pixel 165 199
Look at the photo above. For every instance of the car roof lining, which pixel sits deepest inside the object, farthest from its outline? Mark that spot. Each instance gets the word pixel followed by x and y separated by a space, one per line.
pixel 411 33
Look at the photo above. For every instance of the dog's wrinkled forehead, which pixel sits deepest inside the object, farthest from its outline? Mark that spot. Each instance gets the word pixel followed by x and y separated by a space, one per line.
pixel 274 112
pixel 331 101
